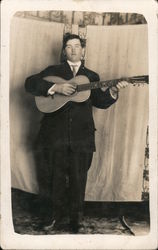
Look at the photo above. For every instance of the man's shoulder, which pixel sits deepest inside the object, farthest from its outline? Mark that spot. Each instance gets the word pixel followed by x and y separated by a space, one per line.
pixel 55 66
pixel 91 73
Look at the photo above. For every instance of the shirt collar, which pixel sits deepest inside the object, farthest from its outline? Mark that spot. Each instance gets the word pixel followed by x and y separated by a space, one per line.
pixel 74 63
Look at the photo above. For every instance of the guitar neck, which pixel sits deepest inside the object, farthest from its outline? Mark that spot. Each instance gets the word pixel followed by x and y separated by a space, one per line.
pixel 136 80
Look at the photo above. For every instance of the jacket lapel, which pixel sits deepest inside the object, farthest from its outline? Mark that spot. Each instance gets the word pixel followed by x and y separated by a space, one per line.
pixel 81 70
pixel 67 72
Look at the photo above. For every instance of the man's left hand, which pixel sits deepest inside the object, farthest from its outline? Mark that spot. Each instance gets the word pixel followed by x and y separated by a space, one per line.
pixel 115 89
pixel 121 84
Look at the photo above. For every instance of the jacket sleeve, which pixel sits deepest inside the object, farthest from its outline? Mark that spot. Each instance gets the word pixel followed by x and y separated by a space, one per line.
pixel 101 99
pixel 36 85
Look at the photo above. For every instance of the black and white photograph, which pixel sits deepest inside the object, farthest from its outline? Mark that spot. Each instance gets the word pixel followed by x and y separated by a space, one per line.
pixel 78 127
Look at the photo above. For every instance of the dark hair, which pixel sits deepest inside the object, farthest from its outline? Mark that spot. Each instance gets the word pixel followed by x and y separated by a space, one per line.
pixel 69 36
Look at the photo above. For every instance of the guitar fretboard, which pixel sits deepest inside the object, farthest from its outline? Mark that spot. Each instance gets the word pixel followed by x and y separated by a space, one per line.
pixel 137 80
pixel 95 85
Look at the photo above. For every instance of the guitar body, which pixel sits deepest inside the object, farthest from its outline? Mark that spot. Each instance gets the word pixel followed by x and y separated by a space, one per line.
pixel 53 103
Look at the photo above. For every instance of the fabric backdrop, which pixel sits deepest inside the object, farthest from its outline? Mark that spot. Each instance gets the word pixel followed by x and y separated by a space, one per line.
pixel 116 173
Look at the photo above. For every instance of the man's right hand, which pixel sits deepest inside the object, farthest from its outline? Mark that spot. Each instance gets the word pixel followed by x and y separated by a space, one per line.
pixel 64 89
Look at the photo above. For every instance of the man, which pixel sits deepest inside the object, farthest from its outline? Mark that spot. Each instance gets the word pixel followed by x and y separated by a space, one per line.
pixel 66 138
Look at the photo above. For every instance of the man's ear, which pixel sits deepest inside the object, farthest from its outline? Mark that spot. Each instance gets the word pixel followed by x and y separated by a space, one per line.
pixel 83 53
pixel 64 53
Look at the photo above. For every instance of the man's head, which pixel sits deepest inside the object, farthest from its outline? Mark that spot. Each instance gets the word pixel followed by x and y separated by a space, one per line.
pixel 73 47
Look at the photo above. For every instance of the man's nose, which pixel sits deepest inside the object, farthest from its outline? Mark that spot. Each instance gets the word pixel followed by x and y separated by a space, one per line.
pixel 73 49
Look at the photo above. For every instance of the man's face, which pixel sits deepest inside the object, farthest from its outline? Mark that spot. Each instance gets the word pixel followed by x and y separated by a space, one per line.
pixel 73 50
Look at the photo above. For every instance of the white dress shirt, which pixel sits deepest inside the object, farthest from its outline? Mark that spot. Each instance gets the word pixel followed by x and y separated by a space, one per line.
pixel 76 64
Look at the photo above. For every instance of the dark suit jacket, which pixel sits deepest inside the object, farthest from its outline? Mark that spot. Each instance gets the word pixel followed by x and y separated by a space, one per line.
pixel 73 125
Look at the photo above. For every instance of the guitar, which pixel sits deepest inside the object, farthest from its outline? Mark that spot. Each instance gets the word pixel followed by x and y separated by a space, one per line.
pixel 52 103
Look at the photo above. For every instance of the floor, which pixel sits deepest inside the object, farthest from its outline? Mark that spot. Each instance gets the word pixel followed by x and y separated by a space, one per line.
pixel 116 218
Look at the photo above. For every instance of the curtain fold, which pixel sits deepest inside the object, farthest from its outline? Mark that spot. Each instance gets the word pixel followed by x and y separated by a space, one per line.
pixel 116 173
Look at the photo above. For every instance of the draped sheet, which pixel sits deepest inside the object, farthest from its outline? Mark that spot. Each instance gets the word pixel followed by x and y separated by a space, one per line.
pixel 116 173
pixel 117 168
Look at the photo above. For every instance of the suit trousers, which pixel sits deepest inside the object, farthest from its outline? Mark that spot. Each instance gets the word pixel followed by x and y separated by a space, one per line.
pixel 62 177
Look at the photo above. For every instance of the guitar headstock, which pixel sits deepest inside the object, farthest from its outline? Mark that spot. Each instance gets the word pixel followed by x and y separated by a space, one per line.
pixel 138 80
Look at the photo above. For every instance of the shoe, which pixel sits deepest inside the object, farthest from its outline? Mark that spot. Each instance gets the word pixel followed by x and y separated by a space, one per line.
pixel 74 228
pixel 45 225
pixel 76 222
pixel 51 225
pixel 55 224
